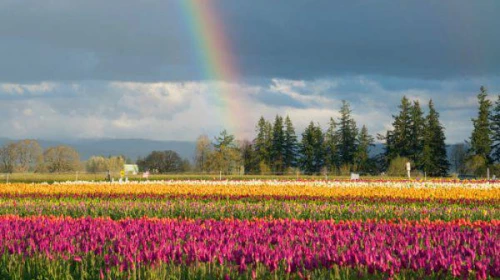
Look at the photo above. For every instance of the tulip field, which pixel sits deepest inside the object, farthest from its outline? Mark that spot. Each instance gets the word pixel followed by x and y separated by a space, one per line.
pixel 252 229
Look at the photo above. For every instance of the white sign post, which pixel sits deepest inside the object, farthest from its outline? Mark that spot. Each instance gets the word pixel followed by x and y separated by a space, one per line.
pixel 408 169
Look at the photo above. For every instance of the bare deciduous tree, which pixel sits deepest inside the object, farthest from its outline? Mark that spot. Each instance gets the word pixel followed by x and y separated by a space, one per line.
pixel 61 159
pixel 8 156
pixel 29 155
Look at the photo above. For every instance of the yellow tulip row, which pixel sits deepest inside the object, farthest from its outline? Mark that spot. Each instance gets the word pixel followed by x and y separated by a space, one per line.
pixel 263 188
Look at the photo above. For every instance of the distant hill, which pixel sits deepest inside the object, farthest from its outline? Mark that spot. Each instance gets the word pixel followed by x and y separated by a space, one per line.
pixel 131 148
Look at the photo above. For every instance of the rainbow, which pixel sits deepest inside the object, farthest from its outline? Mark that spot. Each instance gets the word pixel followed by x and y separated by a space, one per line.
pixel 214 53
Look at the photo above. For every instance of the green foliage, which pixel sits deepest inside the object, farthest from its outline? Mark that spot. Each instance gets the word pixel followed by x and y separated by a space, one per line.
pixel 362 158
pixel 398 141
pixel 434 158
pixel 278 146
pixel 476 164
pixel 162 162
pixel 495 129
pixel 290 150
pixel 312 149
pixel 249 157
pixel 397 167
pixel 263 141
pixel 332 142
pixel 97 164
pixel 480 139
pixel 417 134
pixel 347 135
pixel 226 158
pixel 344 209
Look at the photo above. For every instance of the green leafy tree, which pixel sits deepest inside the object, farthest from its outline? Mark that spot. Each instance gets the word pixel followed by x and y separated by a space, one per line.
pixel 226 157
pixel 312 149
pixel 332 143
pixel 162 162
pixel 397 166
pixel 347 133
pixel 480 140
pixel 495 129
pixel 278 145
pixel 362 157
pixel 291 145
pixel 434 158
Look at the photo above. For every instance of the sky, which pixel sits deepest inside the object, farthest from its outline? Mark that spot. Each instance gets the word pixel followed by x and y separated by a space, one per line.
pixel 158 70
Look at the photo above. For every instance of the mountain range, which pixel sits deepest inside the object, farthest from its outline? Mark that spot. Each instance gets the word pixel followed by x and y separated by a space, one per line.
pixel 131 148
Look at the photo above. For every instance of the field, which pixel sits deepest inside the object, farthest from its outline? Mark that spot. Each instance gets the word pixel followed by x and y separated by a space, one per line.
pixel 260 229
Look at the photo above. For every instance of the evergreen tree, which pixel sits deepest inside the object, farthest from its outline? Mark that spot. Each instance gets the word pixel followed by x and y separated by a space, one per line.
pixel 480 139
pixel 495 129
pixel 347 135
pixel 365 142
pixel 224 140
pixel 434 157
pixel 398 141
pixel 278 145
pixel 332 159
pixel 263 143
pixel 417 132
pixel 312 149
pixel 290 151
pixel 248 157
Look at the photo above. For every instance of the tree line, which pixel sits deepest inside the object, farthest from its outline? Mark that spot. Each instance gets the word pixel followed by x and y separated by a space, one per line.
pixel 342 147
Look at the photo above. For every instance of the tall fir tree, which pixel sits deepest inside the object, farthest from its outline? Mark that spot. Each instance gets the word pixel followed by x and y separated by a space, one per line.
pixel 417 132
pixel 291 145
pixel 480 139
pixel 347 132
pixel 434 158
pixel 263 143
pixel 365 142
pixel 495 129
pixel 311 148
pixel 332 159
pixel 398 141
pixel 278 145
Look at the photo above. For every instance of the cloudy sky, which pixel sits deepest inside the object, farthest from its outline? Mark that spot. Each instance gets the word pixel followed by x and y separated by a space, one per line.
pixel 132 69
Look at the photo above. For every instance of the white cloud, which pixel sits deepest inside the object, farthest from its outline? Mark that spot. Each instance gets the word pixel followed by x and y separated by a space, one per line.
pixel 20 89
pixel 184 110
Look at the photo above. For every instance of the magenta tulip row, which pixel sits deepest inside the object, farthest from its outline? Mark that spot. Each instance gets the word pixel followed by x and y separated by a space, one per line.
pixel 456 248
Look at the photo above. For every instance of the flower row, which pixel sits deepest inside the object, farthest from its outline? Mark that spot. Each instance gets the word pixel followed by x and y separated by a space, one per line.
pixel 261 190
pixel 458 248
pixel 241 209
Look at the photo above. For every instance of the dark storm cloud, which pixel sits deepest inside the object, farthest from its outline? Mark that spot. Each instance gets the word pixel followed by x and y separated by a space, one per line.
pixel 150 40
